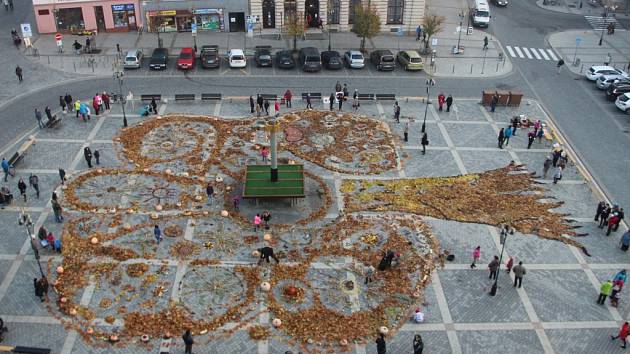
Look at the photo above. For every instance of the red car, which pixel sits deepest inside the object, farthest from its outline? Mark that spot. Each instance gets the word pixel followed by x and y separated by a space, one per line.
pixel 186 59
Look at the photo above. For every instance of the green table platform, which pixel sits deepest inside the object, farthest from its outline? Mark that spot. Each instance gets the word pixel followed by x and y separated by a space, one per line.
pixel 258 183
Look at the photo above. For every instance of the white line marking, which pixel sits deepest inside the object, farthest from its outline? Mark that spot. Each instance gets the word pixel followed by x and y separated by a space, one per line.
pixel 544 54
pixel 552 55
pixel 535 53
pixel 510 51
pixel 526 51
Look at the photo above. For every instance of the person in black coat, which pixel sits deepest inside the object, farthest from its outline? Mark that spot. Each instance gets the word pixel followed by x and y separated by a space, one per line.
pixel 600 208
pixel 188 341
pixel 418 344
pixel 449 103
pixel 22 188
pixel 332 101
pixel 251 104
pixel 87 153
pixel 266 253
pixel 381 347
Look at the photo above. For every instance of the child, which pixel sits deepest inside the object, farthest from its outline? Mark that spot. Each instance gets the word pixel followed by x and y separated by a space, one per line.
pixel 476 256
pixel 257 221
pixel 509 264
pixel 418 316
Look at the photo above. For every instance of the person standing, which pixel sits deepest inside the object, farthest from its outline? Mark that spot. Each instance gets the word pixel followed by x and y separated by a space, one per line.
pixel 257 221
pixel 476 255
pixel 418 344
pixel 546 166
pixel 340 100
pixel 62 104
pixel 531 136
pixel 38 116
pixel 68 99
pixel 77 107
pixel 501 138
pixel 157 233
pixel 264 153
pixel 62 175
pixel 381 346
pixel 625 241
pixel 449 103
pixel 558 175
pixel 611 223
pixel 603 220
pixel 485 43
pixel 503 234
pixel 493 266
pixel 95 104
pixel 507 133
pixel 494 102
pixel 620 216
pixel 33 181
pixel 39 289
pixel 210 193
pixel 259 101
pixel 621 276
pixel 22 188
pixel 441 100
pixel 623 334
pixel 87 154
pixel 266 105
pixel 396 111
pixel 266 217
pixel 154 105
pixel 6 168
pixel 424 141
pixel 369 273
pixel 559 65
pixel 18 73
pixel 519 271
pixel 57 210
pixel 6 5
pixel 607 60
pixel 276 108
pixel 308 101
pixel 604 290
pixel 251 104
pixel 105 98
pixel 331 102
pixel 236 201
pixel 97 156
pixel 287 98
pixel 188 342
pixel 406 132
pixel 509 264
pixel 355 100
pixel 418 32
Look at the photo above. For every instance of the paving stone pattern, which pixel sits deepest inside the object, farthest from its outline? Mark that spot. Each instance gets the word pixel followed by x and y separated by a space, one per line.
pixel 554 312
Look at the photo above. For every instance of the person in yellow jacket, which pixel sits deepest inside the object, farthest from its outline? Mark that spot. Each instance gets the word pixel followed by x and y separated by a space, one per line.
pixel 77 106
pixel 604 291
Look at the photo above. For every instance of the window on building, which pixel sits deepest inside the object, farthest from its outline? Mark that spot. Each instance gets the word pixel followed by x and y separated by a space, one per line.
pixel 395 11
pixel 334 7
pixel 43 12
pixel 353 6
pixel 290 9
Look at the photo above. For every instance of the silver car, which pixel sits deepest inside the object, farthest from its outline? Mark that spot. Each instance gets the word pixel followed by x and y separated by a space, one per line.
pixel 604 81
pixel 354 59
pixel 133 59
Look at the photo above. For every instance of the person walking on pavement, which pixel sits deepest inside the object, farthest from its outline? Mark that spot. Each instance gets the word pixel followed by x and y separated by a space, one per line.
pixel 6 5
pixel 62 175
pixel 18 73
pixel 441 100
pixel 507 133
pixel 210 193
pixel 6 168
pixel 68 99
pixel 77 107
pixel 266 105
pixel 559 65
pixel 519 271
pixel 48 114
pixel 87 154
pixel 623 334
pixel 97 156
pixel 396 111
pixel 494 102
pixel 493 266
pixel 62 104
pixel 57 210
pixel 418 33
pixel 257 221
pixel 381 346
pixel 340 100
pixel 251 104
pixel 157 233
pixel 39 289
pixel 369 273
pixel 33 180
pixel 418 344
pixel 154 105
pixel 501 138
pixel 188 342
pixel 332 101
pixel 485 43
pixel 531 136
pixel 424 141
pixel 476 255
pixel 607 60
pixel 449 103
pixel 557 176
pixel 287 98
pixel 604 290
pixel 105 98
pixel 509 264
pixel 308 101
pixel 514 123
pixel 406 132
pixel 276 108
pixel 22 188
pixel 38 116
pixel 620 217
pixel 546 166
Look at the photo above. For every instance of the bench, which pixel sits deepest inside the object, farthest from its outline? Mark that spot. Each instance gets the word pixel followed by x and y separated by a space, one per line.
pixel 366 96
pixel 386 96
pixel 52 123
pixel 150 97
pixel 20 153
pixel 268 96
pixel 314 95
pixel 211 96
pixel 185 97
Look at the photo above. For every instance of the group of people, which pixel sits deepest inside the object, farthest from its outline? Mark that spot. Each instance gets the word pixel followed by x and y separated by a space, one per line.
pixel 442 100
pixel 88 154
pixel 610 217
pixel 100 103
pixel 262 221
pixel 260 104
pixel 612 288
pixel 494 265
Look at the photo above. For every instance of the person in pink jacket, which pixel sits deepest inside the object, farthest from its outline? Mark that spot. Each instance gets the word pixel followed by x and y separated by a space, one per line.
pixel 257 221
pixel 476 255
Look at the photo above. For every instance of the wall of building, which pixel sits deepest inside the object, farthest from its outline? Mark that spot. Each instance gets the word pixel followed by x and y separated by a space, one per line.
pixel 190 5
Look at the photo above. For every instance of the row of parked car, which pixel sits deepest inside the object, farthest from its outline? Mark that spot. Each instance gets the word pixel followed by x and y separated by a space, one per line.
pixel 616 82
pixel 309 59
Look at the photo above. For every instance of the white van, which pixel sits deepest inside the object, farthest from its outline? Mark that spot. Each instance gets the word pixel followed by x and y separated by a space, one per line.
pixel 480 14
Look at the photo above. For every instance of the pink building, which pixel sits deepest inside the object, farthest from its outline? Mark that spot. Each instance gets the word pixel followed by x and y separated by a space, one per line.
pixel 75 15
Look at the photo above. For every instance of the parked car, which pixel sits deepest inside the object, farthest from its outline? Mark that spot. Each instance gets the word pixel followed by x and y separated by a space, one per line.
pixel 237 58
pixel 133 59
pixel 332 60
pixel 594 72
pixel 383 59
pixel 210 56
pixel 500 2
pixel 284 59
pixel 310 59
pixel 410 60
pixel 354 59
pixel 186 59
pixel 604 81
pixel 623 102
pixel 615 91
pixel 159 59
pixel 262 56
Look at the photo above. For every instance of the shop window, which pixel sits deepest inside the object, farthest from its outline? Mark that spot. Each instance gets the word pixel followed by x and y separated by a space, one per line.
pixel 43 12
pixel 351 10
pixel 334 7
pixel 70 19
pixel 395 11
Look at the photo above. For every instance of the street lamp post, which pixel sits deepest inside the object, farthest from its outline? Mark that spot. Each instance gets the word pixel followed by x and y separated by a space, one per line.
pixel 25 219
pixel 430 82
pixel 605 16
pixel 118 75
pixel 459 37
pixel 493 289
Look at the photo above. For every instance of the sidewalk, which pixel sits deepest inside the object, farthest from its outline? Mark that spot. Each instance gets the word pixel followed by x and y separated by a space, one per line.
pixel 474 62
pixel 589 52
pixel 573 7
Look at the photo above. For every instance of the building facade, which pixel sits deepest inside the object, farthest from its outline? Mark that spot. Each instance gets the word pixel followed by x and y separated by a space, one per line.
pixel 207 15
pixel 76 15
pixel 338 14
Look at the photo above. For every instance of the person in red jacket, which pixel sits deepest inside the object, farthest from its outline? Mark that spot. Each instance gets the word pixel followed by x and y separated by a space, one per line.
pixel 441 100
pixel 623 333
pixel 95 105
pixel 287 98
pixel 612 221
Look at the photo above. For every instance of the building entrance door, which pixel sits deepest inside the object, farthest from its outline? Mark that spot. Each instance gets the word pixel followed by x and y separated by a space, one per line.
pixel 269 14
pixel 100 18
pixel 311 11
pixel 237 21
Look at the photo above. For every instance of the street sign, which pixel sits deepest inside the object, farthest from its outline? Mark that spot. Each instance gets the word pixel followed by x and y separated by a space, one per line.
pixel 578 40
pixel 59 43
pixel 58 37
pixel 434 41
pixel 26 30
pixel 399 32
pixel 193 28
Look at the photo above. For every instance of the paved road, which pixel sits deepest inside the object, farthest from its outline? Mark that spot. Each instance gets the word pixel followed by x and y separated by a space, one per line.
pixel 594 127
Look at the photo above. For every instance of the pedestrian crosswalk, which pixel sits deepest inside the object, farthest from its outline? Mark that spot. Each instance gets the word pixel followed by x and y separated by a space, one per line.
pixel 601 23
pixel 531 53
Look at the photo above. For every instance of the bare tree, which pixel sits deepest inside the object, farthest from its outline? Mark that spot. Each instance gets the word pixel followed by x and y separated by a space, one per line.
pixel 295 27
pixel 366 23
pixel 432 25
